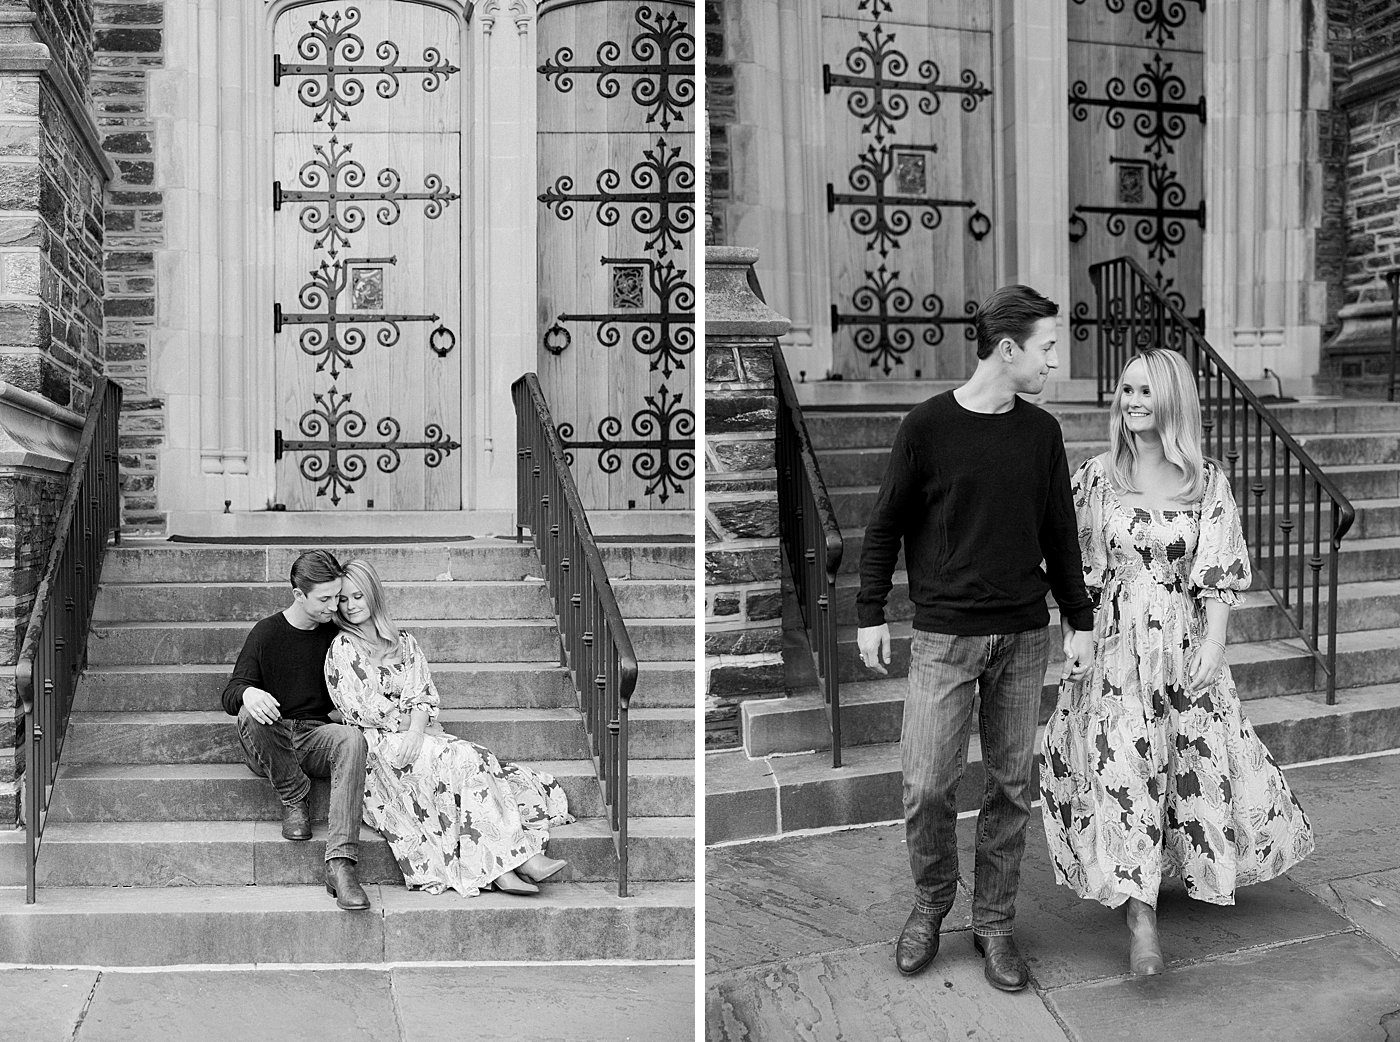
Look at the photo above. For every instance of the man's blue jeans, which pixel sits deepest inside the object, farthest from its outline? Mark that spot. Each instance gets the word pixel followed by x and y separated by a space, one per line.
pixel 946 673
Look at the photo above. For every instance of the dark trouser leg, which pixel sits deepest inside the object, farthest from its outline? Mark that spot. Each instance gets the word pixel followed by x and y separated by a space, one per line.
pixel 1011 691
pixel 271 753
pixel 337 752
pixel 943 672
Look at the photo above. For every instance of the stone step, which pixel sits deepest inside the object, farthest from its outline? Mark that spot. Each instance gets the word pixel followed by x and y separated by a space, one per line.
pixel 477 640
pixel 500 559
pixel 460 685
pixel 1360 606
pixel 750 797
pixel 1260 668
pixel 1376 519
pixel 483 599
pixel 140 926
pixel 512 734
pixel 253 853
pixel 230 792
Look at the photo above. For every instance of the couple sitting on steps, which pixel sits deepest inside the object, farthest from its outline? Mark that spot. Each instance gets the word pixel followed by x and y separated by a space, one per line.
pixel 454 816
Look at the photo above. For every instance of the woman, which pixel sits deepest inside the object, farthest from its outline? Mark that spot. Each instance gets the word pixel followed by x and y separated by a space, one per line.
pixel 1150 767
pixel 453 814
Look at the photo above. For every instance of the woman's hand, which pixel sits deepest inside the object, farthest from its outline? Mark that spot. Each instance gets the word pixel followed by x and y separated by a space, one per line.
pixel 1206 663
pixel 410 745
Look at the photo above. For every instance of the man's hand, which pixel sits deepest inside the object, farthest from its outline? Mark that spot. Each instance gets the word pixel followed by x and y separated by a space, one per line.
pixel 261 706
pixel 409 747
pixel 1079 651
pixel 874 644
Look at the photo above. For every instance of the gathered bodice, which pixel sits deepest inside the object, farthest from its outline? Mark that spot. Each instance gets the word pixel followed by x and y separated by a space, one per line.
pixel 1155 545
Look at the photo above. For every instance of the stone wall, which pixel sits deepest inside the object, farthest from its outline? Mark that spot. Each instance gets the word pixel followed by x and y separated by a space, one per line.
pixel 129 38
pixel 719 113
pixel 1364 42
pixel 743 573
pixel 52 176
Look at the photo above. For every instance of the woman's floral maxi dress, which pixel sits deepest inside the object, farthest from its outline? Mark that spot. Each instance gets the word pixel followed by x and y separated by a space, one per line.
pixel 456 816
pixel 1141 777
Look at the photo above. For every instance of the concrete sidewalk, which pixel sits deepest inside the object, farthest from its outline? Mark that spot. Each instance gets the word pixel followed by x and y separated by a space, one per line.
pixel 528 1003
pixel 800 942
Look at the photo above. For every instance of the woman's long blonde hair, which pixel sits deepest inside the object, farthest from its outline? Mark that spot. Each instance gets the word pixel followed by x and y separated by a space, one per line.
pixel 378 632
pixel 1176 409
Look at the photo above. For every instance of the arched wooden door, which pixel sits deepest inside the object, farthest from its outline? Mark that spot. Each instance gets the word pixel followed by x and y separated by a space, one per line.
pixel 368 233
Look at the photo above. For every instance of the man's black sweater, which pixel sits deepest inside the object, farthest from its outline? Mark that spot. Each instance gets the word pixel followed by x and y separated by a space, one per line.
pixel 979 500
pixel 286 662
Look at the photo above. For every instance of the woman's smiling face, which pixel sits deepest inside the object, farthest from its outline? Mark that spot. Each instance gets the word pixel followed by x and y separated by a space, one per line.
pixel 354 608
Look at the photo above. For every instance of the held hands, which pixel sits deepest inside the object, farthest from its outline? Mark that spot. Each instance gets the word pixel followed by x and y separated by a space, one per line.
pixel 1206 663
pixel 1079 651
pixel 874 645
pixel 261 706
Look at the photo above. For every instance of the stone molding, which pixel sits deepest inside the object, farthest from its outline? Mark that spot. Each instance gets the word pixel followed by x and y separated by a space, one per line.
pixel 1371 78
pixel 35 433
pixel 732 309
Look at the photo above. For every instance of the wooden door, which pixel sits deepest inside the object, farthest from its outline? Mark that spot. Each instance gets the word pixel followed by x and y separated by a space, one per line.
pixel 909 127
pixel 1136 137
pixel 370 341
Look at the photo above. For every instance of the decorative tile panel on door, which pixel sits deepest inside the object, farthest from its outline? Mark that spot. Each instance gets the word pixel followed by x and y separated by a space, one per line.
pixel 368 238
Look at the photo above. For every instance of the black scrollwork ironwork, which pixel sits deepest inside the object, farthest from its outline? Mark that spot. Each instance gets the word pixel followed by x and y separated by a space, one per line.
pixel 664 445
pixel 665 335
pixel 333 428
pixel 877 87
pixel 663 206
pixel 885 311
pixel 1159 107
pixel 1161 17
pixel 884 215
pixel 334 214
pixel 1160 226
pixel 332 86
pixel 332 335
pixel 665 69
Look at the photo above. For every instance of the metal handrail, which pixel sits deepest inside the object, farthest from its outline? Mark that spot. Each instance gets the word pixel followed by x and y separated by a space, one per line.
pixel 594 644
pixel 1134 314
pixel 55 641
pixel 811 539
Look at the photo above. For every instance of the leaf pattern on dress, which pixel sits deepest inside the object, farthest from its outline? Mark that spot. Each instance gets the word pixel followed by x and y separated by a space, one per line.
pixel 1144 779
pixel 456 817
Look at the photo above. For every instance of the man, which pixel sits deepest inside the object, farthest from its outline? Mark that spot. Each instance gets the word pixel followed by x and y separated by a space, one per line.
pixel 278 692
pixel 978 491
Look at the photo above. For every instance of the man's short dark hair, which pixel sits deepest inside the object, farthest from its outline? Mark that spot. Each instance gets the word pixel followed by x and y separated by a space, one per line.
pixel 313 568
pixel 1010 311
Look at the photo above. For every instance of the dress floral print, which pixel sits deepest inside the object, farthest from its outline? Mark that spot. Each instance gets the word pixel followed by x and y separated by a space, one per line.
pixel 1142 778
pixel 456 817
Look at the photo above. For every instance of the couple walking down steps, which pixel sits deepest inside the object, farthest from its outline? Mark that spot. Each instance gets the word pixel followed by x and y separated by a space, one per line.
pixel 454 816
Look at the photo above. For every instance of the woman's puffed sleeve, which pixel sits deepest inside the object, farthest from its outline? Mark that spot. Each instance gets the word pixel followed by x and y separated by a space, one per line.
pixel 351 689
pixel 419 691
pixel 1088 486
pixel 1222 568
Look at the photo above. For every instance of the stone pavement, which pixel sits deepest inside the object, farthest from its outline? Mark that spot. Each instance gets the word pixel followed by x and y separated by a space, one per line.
pixel 800 932
pixel 526 1003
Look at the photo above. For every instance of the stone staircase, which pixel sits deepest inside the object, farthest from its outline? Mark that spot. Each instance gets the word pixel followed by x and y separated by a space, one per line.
pixel 162 848
pixel 782 780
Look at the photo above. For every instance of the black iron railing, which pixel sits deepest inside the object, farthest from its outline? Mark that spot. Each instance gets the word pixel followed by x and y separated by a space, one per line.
pixel 55 640
pixel 1294 515
pixel 595 647
pixel 811 541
